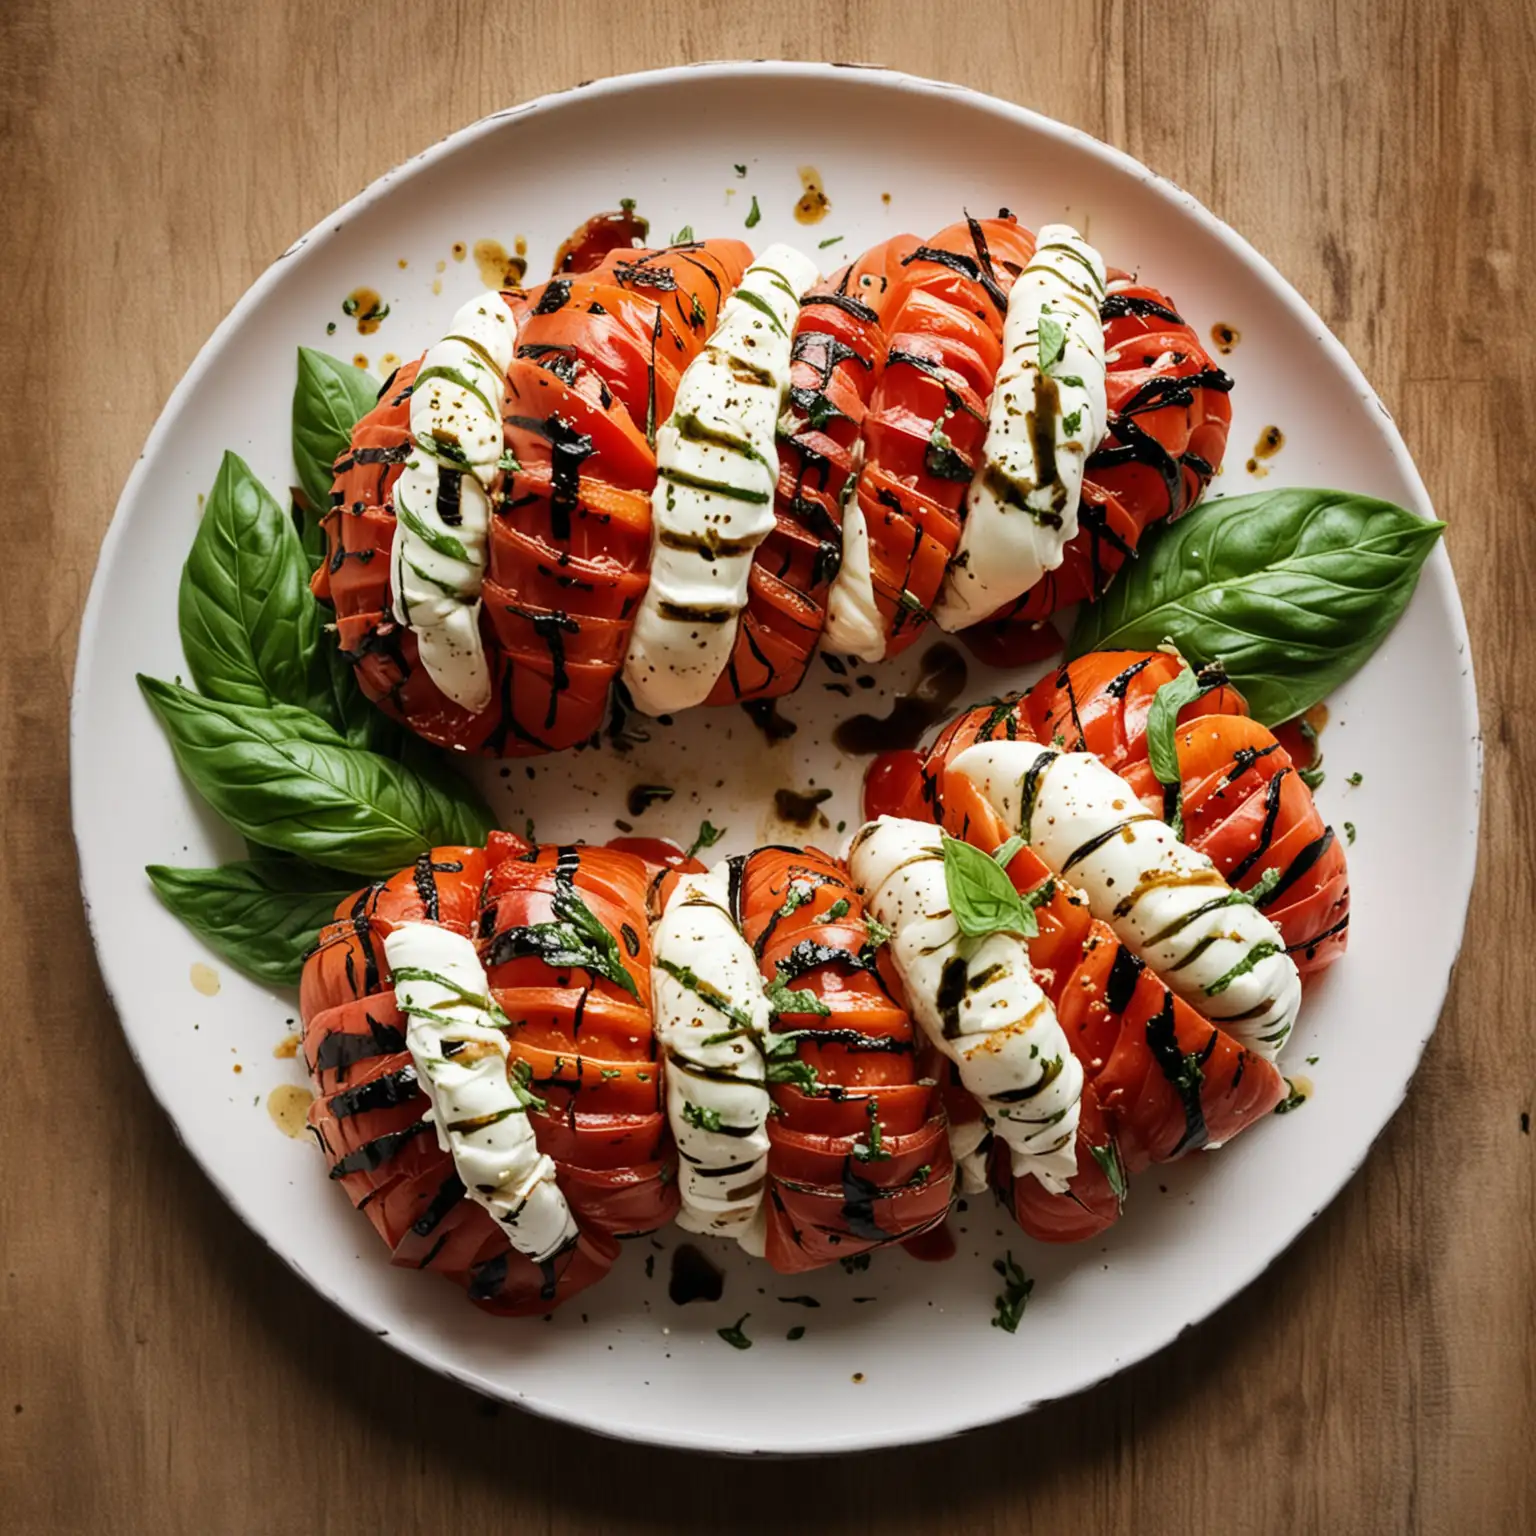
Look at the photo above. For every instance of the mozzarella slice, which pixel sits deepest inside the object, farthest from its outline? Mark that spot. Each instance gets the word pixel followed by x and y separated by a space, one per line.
pixel 711 1016
pixel 1042 424
pixel 976 999
pixel 479 1112
pixel 442 498
pixel 1167 903
pixel 854 627
pixel 717 463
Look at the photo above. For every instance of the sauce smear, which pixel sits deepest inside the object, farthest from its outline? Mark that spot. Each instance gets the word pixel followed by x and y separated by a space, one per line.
pixel 940 683
pixel 694 1278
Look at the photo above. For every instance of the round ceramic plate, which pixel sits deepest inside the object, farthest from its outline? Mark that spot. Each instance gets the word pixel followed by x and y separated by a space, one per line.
pixel 901 1351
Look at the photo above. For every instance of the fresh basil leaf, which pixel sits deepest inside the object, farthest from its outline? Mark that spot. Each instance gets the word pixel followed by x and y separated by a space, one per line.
pixel 262 915
pixel 1163 724
pixel 981 895
pixel 287 780
pixel 1290 590
pixel 1053 341
pixel 249 626
pixel 330 397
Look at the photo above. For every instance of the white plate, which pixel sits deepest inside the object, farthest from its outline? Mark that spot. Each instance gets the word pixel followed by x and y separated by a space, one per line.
pixel 622 1359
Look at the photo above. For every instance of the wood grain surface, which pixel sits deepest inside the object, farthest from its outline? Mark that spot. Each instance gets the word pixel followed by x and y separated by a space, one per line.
pixel 160 1370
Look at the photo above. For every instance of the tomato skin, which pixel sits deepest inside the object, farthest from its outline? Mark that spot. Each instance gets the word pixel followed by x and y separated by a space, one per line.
pixel 1008 645
pixel 1244 802
pixel 1130 1106
pixel 603 1123
pixel 865 1161
pixel 593 242
pixel 839 354
pixel 1169 418
pixel 893 786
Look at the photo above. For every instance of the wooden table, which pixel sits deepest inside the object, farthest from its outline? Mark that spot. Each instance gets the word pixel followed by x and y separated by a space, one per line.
pixel 161 1370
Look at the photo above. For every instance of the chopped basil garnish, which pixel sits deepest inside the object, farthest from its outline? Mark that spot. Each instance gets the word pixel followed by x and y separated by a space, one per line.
pixel 1108 1158
pixel 755 214
pixel 701 1119
pixel 1293 1100
pixel 708 836
pixel 734 1336
pixel 1015 1295
pixel 1053 341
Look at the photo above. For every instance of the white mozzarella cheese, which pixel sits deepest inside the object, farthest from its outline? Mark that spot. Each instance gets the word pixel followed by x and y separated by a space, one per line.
pixel 442 498
pixel 977 1000
pixel 854 627
pixel 717 464
pixel 479 1111
pixel 711 1018
pixel 1048 413
pixel 1167 903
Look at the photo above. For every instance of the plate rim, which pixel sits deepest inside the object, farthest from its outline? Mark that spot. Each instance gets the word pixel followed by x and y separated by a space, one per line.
pixel 1443 588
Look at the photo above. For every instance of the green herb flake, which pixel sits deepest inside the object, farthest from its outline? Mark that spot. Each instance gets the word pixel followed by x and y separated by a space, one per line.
pixel 1355 780
pixel 1312 777
pixel 873 1150
pixel 1015 1294
pixel 754 214
pixel 784 999
pixel 797 1332
pixel 839 908
pixel 822 245
pixel 1293 1100
pixel 708 836
pixel 740 170
pixel 1053 340
pixel 877 934
pixel 684 236
pixel 1349 833
pixel 857 1262
pixel 1260 951
pixel 1072 422
pixel 734 1336
pixel 700 1118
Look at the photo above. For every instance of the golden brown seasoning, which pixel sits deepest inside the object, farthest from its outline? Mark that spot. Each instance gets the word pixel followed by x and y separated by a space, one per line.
pixel 288 1104
pixel 814 204
pixel 286 1048
pixel 366 307
pixel 1271 441
pixel 389 362
pixel 359 359
pixel 205 980
pixel 499 268
pixel 459 250
pixel 1225 336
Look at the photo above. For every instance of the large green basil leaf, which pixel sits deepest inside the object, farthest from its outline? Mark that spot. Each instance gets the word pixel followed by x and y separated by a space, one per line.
pixel 1291 591
pixel 329 399
pixel 249 626
pixel 287 780
pixel 261 915
pixel 337 699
